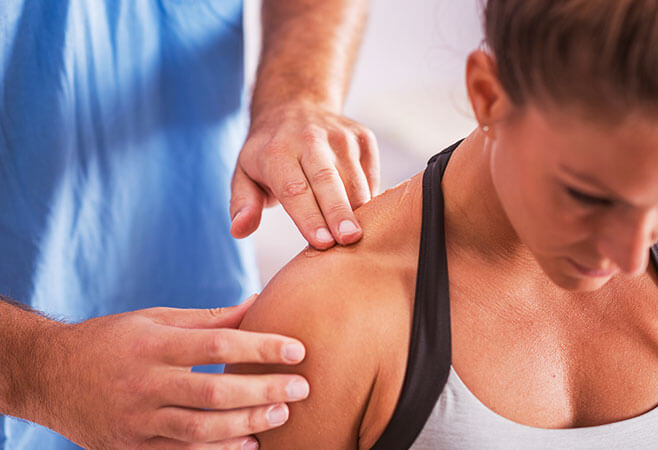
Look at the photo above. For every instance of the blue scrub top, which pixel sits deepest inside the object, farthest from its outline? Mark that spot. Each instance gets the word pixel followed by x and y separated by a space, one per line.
pixel 120 124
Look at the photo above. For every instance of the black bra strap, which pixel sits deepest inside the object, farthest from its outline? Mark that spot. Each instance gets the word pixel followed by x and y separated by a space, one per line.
pixel 430 344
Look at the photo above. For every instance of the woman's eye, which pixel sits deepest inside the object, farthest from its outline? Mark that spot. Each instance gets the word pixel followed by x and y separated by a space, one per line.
pixel 587 199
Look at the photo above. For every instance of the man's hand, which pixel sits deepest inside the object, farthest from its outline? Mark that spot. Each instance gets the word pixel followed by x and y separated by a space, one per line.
pixel 319 165
pixel 300 150
pixel 124 381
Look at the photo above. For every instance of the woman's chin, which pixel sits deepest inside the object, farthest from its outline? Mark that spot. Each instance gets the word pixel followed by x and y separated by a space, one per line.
pixel 578 283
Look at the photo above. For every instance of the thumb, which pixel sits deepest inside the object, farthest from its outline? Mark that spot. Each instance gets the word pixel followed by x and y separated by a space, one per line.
pixel 232 316
pixel 203 318
pixel 247 203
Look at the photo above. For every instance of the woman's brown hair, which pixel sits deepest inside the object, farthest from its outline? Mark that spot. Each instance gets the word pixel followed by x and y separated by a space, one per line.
pixel 600 54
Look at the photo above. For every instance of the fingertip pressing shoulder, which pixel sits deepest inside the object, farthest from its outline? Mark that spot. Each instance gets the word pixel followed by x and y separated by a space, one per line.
pixel 346 282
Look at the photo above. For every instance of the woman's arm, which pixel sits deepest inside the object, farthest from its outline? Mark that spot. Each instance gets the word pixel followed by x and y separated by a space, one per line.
pixel 307 302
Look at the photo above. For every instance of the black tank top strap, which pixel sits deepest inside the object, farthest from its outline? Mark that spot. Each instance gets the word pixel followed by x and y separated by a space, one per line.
pixel 654 255
pixel 430 343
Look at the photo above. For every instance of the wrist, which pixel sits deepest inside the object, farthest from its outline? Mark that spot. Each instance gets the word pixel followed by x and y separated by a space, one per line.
pixel 263 113
pixel 30 355
pixel 45 393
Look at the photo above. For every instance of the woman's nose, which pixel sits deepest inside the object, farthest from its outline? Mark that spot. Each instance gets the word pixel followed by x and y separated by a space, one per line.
pixel 628 240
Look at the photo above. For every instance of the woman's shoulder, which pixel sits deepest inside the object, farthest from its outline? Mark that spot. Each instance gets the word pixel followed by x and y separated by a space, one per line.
pixel 351 306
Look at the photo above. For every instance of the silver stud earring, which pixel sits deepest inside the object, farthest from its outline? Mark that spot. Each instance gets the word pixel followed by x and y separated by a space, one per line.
pixel 485 128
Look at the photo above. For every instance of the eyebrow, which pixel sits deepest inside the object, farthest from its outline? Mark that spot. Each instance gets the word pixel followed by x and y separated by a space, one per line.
pixel 595 183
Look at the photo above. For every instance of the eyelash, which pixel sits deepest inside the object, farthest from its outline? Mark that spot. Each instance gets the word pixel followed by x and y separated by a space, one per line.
pixel 586 199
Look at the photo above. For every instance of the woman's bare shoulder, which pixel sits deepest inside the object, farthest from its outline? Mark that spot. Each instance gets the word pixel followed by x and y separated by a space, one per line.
pixel 351 307
pixel 351 277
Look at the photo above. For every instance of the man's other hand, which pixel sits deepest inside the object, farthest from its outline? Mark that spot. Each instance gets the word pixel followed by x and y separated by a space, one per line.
pixel 125 381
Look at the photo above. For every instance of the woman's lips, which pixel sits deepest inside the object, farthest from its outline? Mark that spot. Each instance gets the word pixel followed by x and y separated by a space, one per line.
pixel 592 273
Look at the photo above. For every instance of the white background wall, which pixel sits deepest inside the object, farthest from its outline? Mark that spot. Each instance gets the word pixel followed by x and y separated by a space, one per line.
pixel 408 83
pixel 407 87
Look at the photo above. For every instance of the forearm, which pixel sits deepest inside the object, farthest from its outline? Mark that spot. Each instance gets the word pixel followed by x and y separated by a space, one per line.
pixel 309 49
pixel 24 350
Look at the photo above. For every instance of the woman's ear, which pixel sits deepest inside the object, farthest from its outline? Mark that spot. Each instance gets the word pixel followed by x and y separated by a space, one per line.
pixel 488 98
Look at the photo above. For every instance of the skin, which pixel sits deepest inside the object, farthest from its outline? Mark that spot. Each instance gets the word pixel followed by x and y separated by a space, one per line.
pixel 557 338
pixel 124 381
pixel 300 150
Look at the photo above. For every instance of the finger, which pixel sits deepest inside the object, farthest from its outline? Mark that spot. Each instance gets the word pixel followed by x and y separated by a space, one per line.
pixel 330 193
pixel 356 183
pixel 349 168
pixel 290 186
pixel 229 317
pixel 160 443
pixel 228 346
pixel 247 203
pixel 370 159
pixel 189 425
pixel 225 391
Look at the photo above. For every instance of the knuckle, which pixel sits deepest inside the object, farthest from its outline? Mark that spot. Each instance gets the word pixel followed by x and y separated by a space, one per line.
pixel 272 393
pixel 216 313
pixel 313 220
pixel 274 149
pixel 341 142
pixel 337 210
pixel 294 188
pixel 349 154
pixel 254 420
pixel 265 351
pixel 356 185
pixel 325 175
pixel 143 346
pixel 237 200
pixel 367 135
pixel 196 429
pixel 213 395
pixel 312 135
pixel 218 346
pixel 182 384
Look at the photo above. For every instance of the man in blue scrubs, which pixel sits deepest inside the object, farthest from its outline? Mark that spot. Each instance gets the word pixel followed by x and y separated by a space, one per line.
pixel 121 123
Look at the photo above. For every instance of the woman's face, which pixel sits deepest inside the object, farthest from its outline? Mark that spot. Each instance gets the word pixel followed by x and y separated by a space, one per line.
pixel 581 195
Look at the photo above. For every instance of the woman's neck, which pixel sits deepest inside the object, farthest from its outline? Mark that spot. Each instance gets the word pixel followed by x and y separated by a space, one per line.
pixel 475 219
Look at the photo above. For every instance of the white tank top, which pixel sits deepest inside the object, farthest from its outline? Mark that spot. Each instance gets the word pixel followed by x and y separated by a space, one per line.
pixel 460 421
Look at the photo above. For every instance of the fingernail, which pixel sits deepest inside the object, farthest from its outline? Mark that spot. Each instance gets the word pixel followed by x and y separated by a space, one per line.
pixel 238 214
pixel 250 444
pixel 347 227
pixel 297 390
pixel 293 352
pixel 277 415
pixel 323 235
